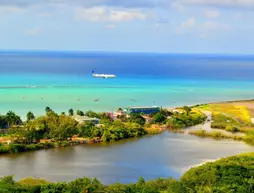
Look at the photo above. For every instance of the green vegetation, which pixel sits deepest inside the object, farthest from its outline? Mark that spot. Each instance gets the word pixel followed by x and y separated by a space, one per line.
pixel 249 138
pixel 221 121
pixel 161 117
pixel 54 130
pixel 71 112
pixel 232 174
pixel 232 117
pixel 186 119
pixel 137 118
pixel 80 113
pixel 111 131
pixel 232 128
pixel 215 135
pixel 30 116
pixel 9 120
pixel 48 109
pixel 187 109
pixel 93 114
pixel 238 112
pixel 18 148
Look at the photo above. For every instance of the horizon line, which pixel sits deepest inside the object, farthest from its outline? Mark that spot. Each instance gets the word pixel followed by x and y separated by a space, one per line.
pixel 120 52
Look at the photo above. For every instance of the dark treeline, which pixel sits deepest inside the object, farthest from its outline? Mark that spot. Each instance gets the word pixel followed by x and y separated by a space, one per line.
pixel 233 174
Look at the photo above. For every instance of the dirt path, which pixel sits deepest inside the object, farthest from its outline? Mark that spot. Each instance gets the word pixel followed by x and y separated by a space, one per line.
pixel 207 127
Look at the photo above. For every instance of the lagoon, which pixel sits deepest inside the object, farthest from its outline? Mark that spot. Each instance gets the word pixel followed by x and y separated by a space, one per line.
pixel 164 155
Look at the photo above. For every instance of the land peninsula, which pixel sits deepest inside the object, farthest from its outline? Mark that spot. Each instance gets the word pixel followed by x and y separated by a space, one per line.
pixel 226 120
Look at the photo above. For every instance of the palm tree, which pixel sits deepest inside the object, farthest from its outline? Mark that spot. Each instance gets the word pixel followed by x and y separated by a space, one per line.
pixel 30 116
pixel 12 118
pixel 71 112
pixel 187 109
pixel 47 109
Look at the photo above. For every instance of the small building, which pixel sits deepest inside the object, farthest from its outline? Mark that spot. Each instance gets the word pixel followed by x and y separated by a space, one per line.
pixel 145 110
pixel 82 119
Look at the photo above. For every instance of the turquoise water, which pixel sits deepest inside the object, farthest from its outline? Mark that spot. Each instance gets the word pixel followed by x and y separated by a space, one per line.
pixel 32 81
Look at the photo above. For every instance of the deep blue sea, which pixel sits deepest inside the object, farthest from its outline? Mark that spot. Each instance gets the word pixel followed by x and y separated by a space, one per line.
pixel 30 81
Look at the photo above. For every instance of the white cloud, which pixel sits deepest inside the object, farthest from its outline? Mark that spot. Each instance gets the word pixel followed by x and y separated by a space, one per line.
pixel 103 14
pixel 92 14
pixel 45 14
pixel 186 26
pixel 202 29
pixel 210 28
pixel 212 14
pixel 205 35
pixel 33 32
pixel 11 9
pixel 189 23
pixel 220 3
pixel 126 15
pixel 111 26
pixel 130 4
pixel 211 25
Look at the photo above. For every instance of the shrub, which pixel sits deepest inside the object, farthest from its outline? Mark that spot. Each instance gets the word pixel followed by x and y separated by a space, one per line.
pixel 16 148
pixel 249 138
pixel 233 174
pixel 80 113
pixel 232 128
pixel 218 125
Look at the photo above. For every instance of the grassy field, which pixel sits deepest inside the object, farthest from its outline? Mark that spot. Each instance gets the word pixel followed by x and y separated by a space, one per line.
pixel 235 113
pixel 238 112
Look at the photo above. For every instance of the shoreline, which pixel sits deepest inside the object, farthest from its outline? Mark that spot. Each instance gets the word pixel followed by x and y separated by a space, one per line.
pixel 154 129
pixel 66 143
pixel 170 105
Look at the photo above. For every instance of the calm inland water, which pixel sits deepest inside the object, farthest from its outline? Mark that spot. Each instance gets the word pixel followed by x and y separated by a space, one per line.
pixel 164 155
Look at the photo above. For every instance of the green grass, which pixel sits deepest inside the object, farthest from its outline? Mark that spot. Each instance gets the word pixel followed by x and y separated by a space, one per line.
pixel 221 121
pixel 3 134
pixel 215 135
pixel 241 113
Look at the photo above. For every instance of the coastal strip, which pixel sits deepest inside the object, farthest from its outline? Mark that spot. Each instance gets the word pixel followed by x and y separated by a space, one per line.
pixel 60 130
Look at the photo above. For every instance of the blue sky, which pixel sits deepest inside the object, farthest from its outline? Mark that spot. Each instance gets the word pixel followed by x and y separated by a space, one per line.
pixel 174 26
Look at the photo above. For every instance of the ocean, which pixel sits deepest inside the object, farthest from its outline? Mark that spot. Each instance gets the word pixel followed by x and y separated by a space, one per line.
pixel 30 81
